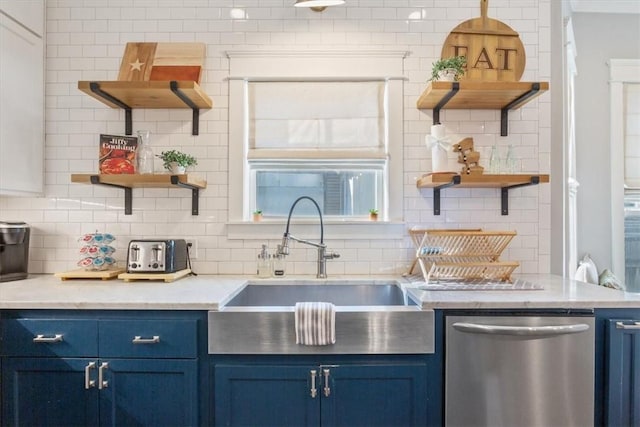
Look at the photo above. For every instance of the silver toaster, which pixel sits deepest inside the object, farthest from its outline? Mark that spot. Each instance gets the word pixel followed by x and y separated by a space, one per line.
pixel 157 256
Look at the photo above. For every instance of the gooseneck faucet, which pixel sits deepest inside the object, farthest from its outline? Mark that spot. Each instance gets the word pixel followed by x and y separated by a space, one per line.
pixel 323 255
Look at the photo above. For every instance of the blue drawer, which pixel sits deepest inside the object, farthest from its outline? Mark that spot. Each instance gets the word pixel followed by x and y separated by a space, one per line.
pixel 50 337
pixel 149 338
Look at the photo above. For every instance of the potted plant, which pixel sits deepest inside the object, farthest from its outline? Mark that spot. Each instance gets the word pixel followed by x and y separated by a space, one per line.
pixel 448 69
pixel 373 214
pixel 257 215
pixel 176 161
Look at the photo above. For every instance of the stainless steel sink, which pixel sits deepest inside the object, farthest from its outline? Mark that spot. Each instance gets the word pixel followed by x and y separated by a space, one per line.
pixel 254 295
pixel 374 318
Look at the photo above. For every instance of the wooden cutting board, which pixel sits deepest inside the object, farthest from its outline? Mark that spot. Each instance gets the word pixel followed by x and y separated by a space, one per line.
pixel 84 274
pixel 162 62
pixel 493 50
pixel 165 277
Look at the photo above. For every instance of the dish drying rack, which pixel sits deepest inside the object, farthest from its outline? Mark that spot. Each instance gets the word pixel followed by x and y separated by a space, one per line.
pixel 462 255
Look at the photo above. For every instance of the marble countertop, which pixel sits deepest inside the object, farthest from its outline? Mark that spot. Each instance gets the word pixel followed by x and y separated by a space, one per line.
pixel 210 292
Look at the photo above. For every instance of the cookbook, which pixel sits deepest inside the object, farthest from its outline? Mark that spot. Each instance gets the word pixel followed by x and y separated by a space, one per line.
pixel 117 154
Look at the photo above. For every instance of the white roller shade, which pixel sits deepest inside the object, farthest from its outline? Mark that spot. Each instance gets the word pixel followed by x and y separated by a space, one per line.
pixel 319 116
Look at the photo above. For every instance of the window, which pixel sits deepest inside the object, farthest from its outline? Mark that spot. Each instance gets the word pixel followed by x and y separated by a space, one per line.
pixel 326 140
pixel 325 125
pixel 624 84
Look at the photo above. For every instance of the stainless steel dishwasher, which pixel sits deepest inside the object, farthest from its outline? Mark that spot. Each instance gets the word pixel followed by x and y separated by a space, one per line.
pixel 518 369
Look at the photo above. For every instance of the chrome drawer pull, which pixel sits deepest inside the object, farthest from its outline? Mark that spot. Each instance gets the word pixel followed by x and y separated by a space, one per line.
pixel 88 382
pixel 102 383
pixel 622 325
pixel 43 339
pixel 314 390
pixel 139 340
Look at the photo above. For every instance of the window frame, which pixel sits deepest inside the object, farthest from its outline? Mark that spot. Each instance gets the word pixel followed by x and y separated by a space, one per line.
pixel 621 72
pixel 343 66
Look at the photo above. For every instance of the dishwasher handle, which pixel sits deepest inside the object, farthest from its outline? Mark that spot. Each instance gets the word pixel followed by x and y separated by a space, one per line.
pixel 475 328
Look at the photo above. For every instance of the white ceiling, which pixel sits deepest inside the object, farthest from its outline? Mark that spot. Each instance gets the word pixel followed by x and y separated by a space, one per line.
pixel 606 6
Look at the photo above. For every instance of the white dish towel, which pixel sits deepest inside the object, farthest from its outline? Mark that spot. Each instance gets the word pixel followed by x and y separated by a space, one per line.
pixel 315 323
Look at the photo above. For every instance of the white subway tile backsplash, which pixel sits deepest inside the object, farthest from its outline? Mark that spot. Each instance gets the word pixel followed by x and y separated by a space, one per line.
pixel 86 39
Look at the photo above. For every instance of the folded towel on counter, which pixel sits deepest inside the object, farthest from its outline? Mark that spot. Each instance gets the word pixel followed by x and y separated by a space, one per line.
pixel 315 323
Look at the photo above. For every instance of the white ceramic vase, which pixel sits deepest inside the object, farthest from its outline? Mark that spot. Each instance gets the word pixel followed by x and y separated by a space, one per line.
pixel 447 75
pixel 176 169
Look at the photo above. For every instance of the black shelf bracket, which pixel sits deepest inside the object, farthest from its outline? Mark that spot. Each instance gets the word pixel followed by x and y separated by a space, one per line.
pixel 195 193
pixel 455 87
pixel 195 123
pixel 504 112
pixel 455 180
pixel 95 179
pixel 128 120
pixel 505 192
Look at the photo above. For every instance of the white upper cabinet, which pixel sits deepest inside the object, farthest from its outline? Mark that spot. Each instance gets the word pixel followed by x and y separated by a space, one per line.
pixel 22 98
pixel 29 13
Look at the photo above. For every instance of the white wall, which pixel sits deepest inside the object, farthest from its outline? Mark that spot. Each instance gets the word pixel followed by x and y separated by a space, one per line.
pixel 85 41
pixel 599 37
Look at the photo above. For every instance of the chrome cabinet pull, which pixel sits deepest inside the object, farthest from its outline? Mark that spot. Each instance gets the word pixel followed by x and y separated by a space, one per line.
pixel 326 389
pixel 622 325
pixel 102 383
pixel 41 338
pixel 314 390
pixel 139 340
pixel 88 382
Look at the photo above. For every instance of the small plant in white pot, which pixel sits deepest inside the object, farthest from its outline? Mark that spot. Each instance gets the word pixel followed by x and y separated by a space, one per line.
pixel 448 69
pixel 177 162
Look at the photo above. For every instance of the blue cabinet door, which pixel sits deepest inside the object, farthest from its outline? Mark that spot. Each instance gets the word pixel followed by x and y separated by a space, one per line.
pixel 346 395
pixel 374 395
pixel 266 395
pixel 623 397
pixel 148 392
pixel 47 392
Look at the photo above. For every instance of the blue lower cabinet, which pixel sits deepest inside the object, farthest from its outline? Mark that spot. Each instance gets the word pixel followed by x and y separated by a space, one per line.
pixel 374 395
pixel 47 392
pixel 321 395
pixel 103 368
pixel 92 392
pixel 148 392
pixel 623 379
pixel 266 396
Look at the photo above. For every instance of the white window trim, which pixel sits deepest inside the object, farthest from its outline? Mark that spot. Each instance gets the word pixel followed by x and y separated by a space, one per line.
pixel 310 65
pixel 621 71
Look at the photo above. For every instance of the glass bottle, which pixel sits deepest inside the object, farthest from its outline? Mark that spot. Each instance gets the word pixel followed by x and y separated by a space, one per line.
pixel 144 153
pixel 278 265
pixel 494 161
pixel 509 161
pixel 264 262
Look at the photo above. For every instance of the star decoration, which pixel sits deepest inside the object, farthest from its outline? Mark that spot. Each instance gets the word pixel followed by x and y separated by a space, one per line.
pixel 136 65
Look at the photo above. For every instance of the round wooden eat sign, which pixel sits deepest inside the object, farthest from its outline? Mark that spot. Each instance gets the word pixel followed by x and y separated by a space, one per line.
pixel 493 50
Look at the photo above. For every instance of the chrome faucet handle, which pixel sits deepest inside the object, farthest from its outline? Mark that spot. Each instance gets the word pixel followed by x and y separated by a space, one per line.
pixel 331 255
pixel 283 249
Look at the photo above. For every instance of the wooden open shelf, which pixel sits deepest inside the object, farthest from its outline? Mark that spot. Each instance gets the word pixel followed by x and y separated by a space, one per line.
pixel 138 180
pixel 149 94
pixel 503 96
pixel 477 181
pixel 438 181
pixel 129 181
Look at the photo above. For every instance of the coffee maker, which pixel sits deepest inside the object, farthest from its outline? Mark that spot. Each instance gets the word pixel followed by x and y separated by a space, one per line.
pixel 14 250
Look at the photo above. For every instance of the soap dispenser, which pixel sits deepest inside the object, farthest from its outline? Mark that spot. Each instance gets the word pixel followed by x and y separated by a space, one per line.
pixel 264 262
